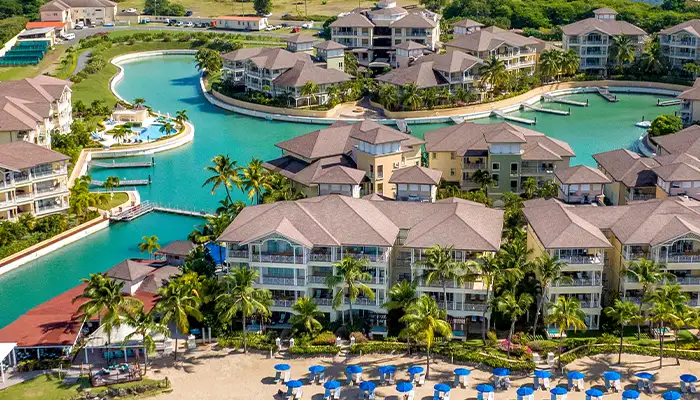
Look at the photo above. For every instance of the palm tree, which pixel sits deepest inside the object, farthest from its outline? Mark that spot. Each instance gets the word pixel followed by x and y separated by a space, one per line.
pixel 241 297
pixel 139 101
pixel 110 183
pixel 306 314
pixel 622 49
pixel 551 63
pixel 181 116
pixel 149 244
pixel 668 309
pixel 350 276
pixel 548 271
pixel 624 313
pixel 167 129
pixel 493 72
pixel 566 314
pixel 144 326
pixel 424 319
pixel 648 273
pixel 333 94
pixel 429 97
pixel 692 68
pixel 351 63
pixel 388 96
pixel 570 62
pixel 309 91
pixel 489 267
pixel 410 97
pixel 119 134
pixel 461 94
pixel 224 173
pixel 401 296
pixel 483 179
pixel 177 302
pixel 514 308
pixel 529 188
pixel 253 179
pixel 443 269
pixel 230 208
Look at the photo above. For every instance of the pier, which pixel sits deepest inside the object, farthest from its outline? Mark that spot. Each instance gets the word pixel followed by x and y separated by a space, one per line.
pixel 457 120
pixel 114 164
pixel 526 106
pixel 147 207
pixel 666 103
pixel 605 92
pixel 403 126
pixel 554 99
pixel 503 115
pixel 126 182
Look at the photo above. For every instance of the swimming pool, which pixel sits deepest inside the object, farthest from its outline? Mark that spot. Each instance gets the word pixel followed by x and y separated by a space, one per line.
pixel 151 132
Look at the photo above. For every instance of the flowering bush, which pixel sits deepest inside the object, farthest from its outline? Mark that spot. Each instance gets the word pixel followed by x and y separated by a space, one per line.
pixel 359 337
pixel 324 339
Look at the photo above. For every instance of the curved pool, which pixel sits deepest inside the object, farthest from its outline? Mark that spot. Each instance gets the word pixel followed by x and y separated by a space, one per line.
pixel 178 175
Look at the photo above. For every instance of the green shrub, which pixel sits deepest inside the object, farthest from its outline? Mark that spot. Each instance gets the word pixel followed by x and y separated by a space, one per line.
pixel 665 124
pixel 314 350
pixel 491 338
pixel 324 339
pixel 379 348
pixel 359 337
pixel 34 365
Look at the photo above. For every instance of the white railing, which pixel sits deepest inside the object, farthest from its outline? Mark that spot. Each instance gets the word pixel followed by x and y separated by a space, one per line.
pixel 323 302
pixel 51 189
pixel 382 257
pixel 535 170
pixel 22 197
pixel 693 302
pixel 682 258
pixel 283 303
pixel 575 282
pixel 596 259
pixel 238 253
pixel 44 209
pixel 363 301
pixel 281 281
pixel 376 280
pixel 274 258
pixel 6 203
pixel 688 280
pixel 41 174
pixel 317 279
pixel 323 257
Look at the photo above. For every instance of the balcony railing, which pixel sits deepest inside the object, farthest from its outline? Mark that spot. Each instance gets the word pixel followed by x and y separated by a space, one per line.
pixel 640 196
pixel 50 172
pixel 473 166
pixel 682 258
pixel 324 257
pixel 281 281
pixel 596 259
pixel 379 280
pixel 283 303
pixel 5 203
pixel 576 282
pixel 323 302
pixel 42 209
pixel 278 258
pixel 693 302
pixel 635 256
pixel 238 253
pixel 51 189
pixel 536 170
pixel 459 306
pixel 23 197
pixel 363 301
pixel 317 279
pixel 382 257
pixel 688 280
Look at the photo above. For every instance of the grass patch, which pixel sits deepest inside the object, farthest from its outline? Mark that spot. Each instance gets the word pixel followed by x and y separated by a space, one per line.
pixel 49 386
pixel 118 199
pixel 46 65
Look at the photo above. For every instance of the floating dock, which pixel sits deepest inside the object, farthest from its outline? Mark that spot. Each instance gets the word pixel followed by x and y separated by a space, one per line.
pixel 666 103
pixel 403 126
pixel 526 106
pixel 126 182
pixel 507 117
pixel 457 120
pixel 554 99
pixel 147 206
pixel 114 164
pixel 605 92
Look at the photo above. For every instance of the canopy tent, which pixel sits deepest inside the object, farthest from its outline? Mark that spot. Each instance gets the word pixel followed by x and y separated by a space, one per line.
pixel 117 338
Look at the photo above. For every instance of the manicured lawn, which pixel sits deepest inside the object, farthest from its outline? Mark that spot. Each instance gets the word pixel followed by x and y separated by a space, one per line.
pixel 118 199
pixel 49 386
pixel 46 65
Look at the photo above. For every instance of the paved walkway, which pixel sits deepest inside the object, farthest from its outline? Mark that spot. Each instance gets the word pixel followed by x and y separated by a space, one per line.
pixel 82 61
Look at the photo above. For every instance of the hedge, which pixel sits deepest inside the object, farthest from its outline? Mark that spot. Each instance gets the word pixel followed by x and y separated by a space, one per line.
pixel 314 350
pixel 37 365
pixel 593 350
pixel 379 348
pixel 491 361
pixel 255 342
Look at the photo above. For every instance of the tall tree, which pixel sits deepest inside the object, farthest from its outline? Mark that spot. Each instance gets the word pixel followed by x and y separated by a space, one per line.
pixel 482 178
pixel 424 320
pixel 648 273
pixel 144 327
pixel 388 96
pixel 253 180
pixel 566 314
pixel 489 267
pixel 624 313
pixel 548 270
pixel 149 244
pixel 177 302
pixel 306 315
pixel 441 268
pixel 350 276
pixel 110 183
pixel 309 90
pixel 622 49
pixel 493 73
pixel 570 62
pixel 224 173
pixel 410 97
pixel 513 308
pixel 401 295
pixel 667 310
pixel 241 297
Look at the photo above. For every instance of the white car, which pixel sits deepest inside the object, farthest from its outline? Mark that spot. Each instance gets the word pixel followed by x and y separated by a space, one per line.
pixel 278 26
pixel 189 25
pixel 269 28
pixel 68 36
pixel 307 25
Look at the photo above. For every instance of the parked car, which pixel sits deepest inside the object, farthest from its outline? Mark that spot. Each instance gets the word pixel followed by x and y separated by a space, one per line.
pixel 189 25
pixel 188 13
pixel 278 26
pixel 307 25
pixel 180 23
pixel 172 22
pixel 296 29
pixel 145 20
pixel 204 25
pixel 68 36
pixel 269 28
pixel 78 27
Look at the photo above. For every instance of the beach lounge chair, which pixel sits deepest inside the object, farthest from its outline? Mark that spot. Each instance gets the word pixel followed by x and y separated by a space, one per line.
pixel 506 383
pixel 336 395
pixel 421 380
pixel 297 396
pixel 691 388
pixel 357 378
pixel 545 383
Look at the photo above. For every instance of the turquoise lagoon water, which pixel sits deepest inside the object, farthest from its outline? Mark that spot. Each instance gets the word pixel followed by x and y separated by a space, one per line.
pixel 178 175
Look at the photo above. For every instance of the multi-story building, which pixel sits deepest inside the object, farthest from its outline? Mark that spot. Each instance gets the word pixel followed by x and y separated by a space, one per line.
pixel 467 26
pixel 451 70
pixel 690 104
pixel 679 43
pixel 416 183
pixel 280 73
pixel 295 246
pixel 330 53
pixel 631 175
pixel 33 180
pixel 686 140
pixel 88 12
pixel 663 230
pixel 301 44
pixel 581 184
pixel 32 109
pixel 351 159
pixel 592 39
pixel 511 154
pixel 373 34
pixel 555 229
pixel 518 53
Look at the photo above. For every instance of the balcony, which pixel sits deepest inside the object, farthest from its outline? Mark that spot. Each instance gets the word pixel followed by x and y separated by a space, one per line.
pixel 51 189
pixel 280 281
pixel 323 301
pixel 321 257
pixel 681 259
pixel 459 306
pixel 377 280
pixel 283 303
pixel 318 279
pixel 363 301
pixel 50 208
pixel 576 282
pixel 473 166
pixel 6 203
pixel 536 170
pixel 593 259
pixel 381 258
pixel 279 259
pixel 21 178
pixel 639 196
pixel 45 173
pixel 23 197
pixel 636 256
pixel 237 254
pixel 688 280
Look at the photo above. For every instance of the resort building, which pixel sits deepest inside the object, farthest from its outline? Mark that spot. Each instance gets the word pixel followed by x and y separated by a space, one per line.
pixel 593 37
pixel 408 52
pixel 686 140
pixel 373 34
pixel 662 230
pixel 351 159
pixel 32 109
pixel 176 252
pixel 451 70
pixel 581 184
pixel 631 175
pixel 509 153
pixel 679 43
pixel 690 104
pixel 294 246
pixel 280 73
pixel 301 44
pixel 87 12
pixel 416 183
pixel 240 23
pixel 331 53
pixel 518 53
pixel 33 180
pixel 467 26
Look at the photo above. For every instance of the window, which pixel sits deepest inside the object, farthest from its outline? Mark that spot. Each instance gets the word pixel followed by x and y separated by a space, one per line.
pixel 513 168
pixel 380 171
pixel 402 186
pixel 452 172
pixel 495 177
pixel 380 188
pixel 513 185
pixel 452 155
pixel 496 166
pixel 434 156
pixel 686 185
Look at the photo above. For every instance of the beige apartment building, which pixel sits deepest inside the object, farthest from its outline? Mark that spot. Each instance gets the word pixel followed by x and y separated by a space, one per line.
pixel 592 38
pixel 87 12
pixel 511 154
pixel 33 180
pixel 690 104
pixel 294 246
pixel 680 43
pixel 373 34
pixel 33 109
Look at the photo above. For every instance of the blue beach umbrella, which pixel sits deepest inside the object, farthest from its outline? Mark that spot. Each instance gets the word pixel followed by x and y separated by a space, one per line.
pixel 282 367
pixel 593 393
pixel 644 375
pixel 542 374
pixel 688 378
pixel 671 395
pixel 558 391
pixel 611 375
pixel 501 372
pixel 462 372
pixel 387 369
pixel 367 385
pixel 294 384
pixel 331 385
pixel 415 370
pixel 484 388
pixel 524 391
pixel 630 394
pixel 442 387
pixel 404 387
pixel 575 375
pixel 354 369
pixel 316 369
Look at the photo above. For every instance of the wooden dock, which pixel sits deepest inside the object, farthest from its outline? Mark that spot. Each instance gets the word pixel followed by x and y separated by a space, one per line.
pixel 147 207
pixel 403 126
pixel 526 106
pixel 605 92
pixel 507 117
pixel 554 99
pixel 457 120
pixel 666 103
pixel 114 164
pixel 126 182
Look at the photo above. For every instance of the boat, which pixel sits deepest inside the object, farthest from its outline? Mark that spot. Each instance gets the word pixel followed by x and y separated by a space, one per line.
pixel 643 124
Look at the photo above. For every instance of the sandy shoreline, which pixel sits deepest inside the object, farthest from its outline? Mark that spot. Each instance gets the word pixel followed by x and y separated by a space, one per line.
pixel 223 374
